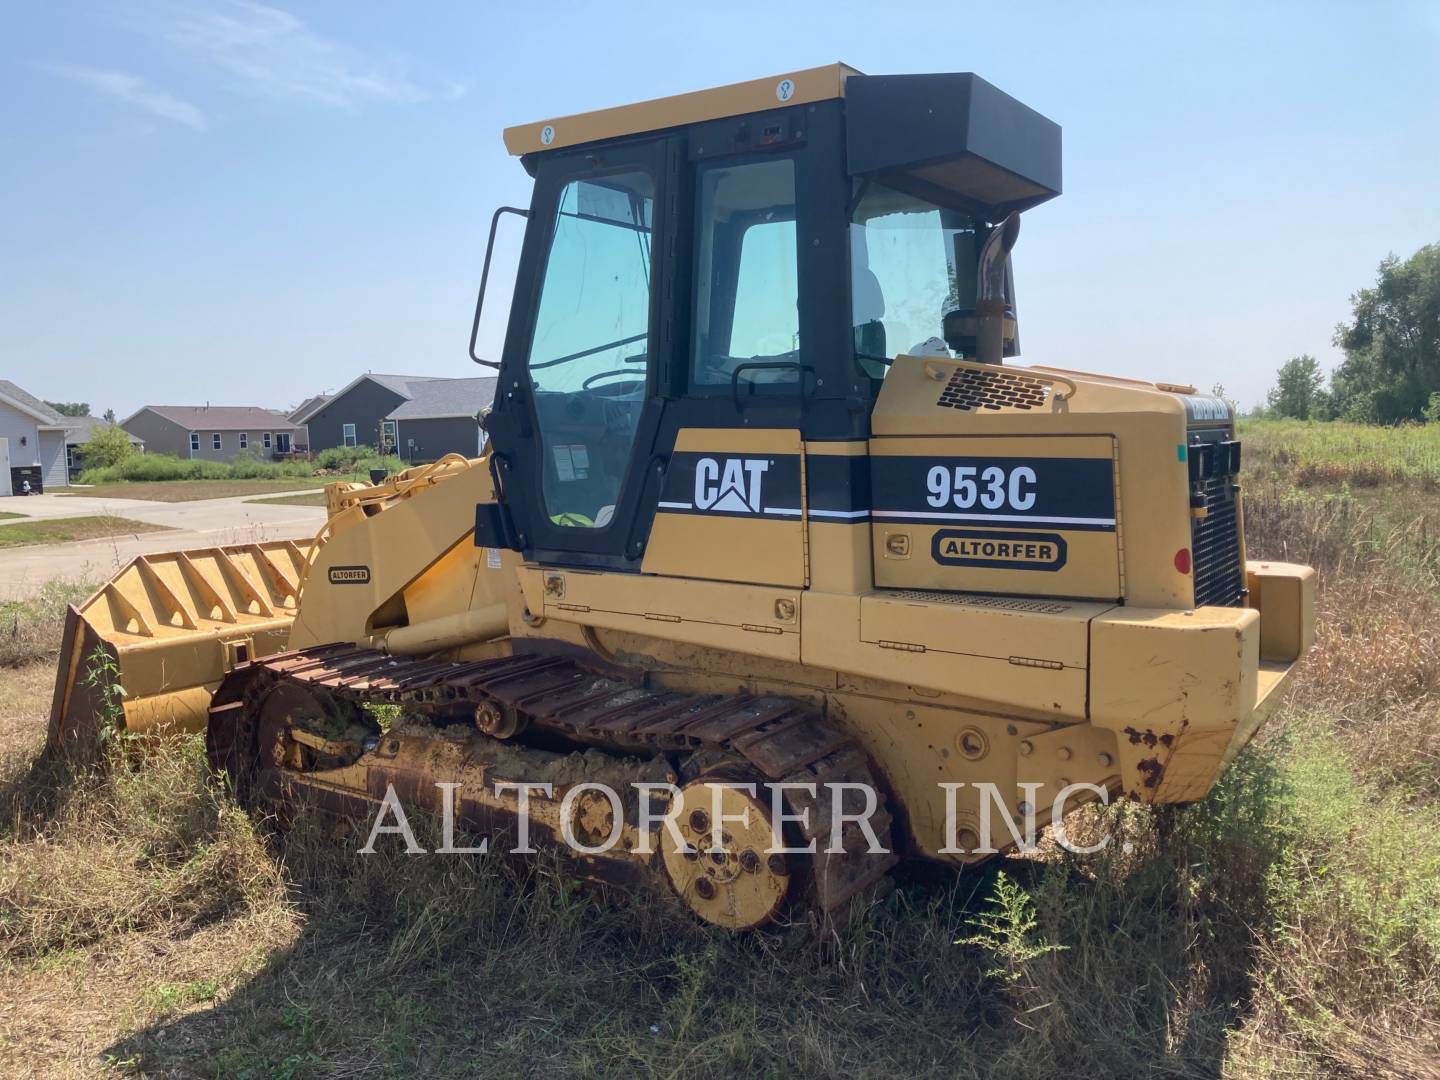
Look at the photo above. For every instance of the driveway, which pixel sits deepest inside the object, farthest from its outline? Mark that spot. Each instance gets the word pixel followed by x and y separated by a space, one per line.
pixel 201 523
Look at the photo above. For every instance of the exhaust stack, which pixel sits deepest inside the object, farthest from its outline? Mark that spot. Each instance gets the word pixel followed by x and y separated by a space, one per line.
pixel 995 294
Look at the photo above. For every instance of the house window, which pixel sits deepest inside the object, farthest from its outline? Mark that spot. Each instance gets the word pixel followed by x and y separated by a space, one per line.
pixel 194 441
pixel 347 434
pixel 387 435
pixel 282 443
pixel 265 440
pixel 215 440
pixel 244 440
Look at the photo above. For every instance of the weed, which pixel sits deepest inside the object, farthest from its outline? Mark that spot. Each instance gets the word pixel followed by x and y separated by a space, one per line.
pixel 1007 933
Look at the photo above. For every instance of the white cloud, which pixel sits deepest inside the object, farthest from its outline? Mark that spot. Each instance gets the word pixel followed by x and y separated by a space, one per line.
pixel 273 53
pixel 134 91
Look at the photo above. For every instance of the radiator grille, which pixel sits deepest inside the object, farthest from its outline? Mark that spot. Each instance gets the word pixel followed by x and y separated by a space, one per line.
pixel 977 388
pixel 1215 543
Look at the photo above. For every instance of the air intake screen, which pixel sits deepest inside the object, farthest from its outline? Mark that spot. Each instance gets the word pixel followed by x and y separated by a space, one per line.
pixel 976 388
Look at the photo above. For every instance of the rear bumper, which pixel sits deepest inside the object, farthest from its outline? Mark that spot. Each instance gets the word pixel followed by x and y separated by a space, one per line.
pixel 1185 691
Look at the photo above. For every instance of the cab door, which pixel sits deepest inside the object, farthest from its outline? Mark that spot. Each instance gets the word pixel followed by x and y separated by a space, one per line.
pixel 577 410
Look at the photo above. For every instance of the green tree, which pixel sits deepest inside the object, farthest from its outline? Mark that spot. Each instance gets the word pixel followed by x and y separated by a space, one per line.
pixel 1431 415
pixel 1392 343
pixel 1299 390
pixel 107 446
pixel 109 416
pixel 70 408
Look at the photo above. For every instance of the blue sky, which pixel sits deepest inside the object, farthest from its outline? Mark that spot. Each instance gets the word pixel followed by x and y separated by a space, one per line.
pixel 246 203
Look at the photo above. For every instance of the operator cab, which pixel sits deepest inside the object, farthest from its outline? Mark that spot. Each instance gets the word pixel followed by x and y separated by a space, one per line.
pixel 751 258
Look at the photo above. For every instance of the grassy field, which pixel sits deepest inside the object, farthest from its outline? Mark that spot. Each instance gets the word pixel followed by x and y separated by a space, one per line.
pixel 190 490
pixel 1286 927
pixel 1361 455
pixel 313 498
pixel 61 530
pixel 7 516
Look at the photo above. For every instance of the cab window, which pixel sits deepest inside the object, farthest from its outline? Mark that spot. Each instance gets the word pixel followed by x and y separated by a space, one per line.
pixel 747 320
pixel 911 263
pixel 589 355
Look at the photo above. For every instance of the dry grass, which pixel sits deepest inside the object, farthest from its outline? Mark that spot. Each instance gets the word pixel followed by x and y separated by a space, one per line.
pixel 30 629
pixel 1287 927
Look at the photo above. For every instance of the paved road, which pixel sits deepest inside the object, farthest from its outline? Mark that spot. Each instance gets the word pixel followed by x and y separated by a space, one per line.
pixel 201 523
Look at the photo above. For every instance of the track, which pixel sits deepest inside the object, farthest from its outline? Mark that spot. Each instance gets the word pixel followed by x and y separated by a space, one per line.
pixel 767 739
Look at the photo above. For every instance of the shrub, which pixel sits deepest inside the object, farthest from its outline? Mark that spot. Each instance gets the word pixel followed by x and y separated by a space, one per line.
pixel 342 457
pixel 107 446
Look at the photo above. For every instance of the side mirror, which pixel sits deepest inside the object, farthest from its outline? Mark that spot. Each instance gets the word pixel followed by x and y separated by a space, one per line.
pixel 485 279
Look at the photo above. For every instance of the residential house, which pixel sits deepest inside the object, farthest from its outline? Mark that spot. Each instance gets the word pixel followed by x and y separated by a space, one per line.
pixel 442 418
pixel 79 430
pixel 32 442
pixel 439 415
pixel 309 405
pixel 216 432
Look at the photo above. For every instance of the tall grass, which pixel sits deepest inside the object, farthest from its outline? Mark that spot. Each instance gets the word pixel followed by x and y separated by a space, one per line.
pixel 152 467
pixel 166 467
pixel 1364 455
pixel 30 628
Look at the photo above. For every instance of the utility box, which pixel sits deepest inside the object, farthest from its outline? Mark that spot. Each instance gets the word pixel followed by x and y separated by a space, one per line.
pixel 33 473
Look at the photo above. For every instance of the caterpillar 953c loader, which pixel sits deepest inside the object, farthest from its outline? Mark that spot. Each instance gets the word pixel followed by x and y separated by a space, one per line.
pixel 762 505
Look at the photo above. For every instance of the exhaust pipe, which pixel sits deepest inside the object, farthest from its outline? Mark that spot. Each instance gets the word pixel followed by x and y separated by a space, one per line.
pixel 995 291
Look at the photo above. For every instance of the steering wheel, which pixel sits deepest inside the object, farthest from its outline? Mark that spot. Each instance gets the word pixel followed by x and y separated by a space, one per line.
pixel 613 371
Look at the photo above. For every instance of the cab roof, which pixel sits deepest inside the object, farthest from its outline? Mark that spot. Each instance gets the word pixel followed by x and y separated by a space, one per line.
pixel 756 95
pixel 950 138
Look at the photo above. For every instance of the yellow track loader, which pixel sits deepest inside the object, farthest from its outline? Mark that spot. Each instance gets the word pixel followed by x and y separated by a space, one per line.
pixel 767 533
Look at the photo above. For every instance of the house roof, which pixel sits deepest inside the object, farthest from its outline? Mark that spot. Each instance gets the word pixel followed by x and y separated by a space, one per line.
pixel 81 429
pixel 398 384
pixel 30 405
pixel 308 406
pixel 435 399
pixel 220 417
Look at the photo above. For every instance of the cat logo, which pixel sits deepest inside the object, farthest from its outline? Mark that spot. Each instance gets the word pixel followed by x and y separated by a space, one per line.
pixel 999 550
pixel 732 486
pixel 350 575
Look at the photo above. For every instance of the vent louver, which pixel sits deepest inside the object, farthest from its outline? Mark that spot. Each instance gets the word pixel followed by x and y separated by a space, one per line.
pixel 1004 603
pixel 1215 537
pixel 972 388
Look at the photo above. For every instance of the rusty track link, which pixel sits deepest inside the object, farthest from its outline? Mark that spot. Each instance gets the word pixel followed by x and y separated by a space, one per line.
pixel 782 738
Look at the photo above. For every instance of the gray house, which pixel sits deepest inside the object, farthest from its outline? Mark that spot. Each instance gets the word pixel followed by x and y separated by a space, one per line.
pixel 32 442
pixel 419 417
pixel 216 432
pixel 442 418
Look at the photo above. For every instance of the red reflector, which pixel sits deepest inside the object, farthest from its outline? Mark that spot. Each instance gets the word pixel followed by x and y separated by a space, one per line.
pixel 1182 560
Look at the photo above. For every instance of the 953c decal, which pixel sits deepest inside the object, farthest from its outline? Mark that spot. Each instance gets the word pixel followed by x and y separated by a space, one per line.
pixel 1029 492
